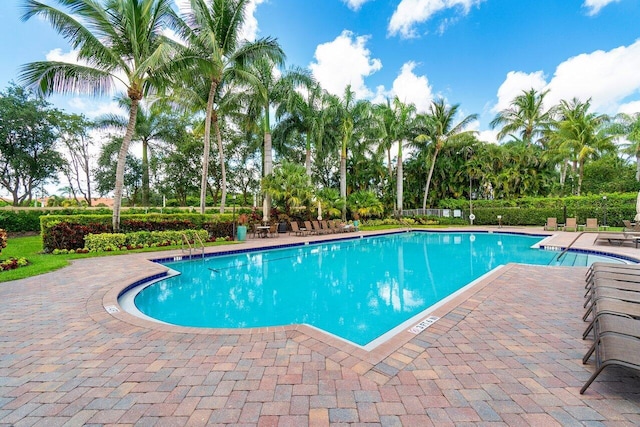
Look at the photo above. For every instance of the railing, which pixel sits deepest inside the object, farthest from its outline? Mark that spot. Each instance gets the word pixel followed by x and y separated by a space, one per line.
pixel 185 239
pixel 565 250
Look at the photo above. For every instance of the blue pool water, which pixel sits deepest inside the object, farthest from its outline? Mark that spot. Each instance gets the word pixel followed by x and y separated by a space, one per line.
pixel 356 289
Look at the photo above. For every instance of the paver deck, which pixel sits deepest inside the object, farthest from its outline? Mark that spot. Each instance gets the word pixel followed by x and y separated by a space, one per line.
pixel 506 352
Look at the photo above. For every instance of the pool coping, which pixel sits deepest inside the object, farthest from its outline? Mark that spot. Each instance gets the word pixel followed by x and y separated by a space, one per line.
pixel 356 357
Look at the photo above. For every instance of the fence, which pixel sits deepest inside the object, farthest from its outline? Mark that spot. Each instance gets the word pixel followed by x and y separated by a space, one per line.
pixel 446 213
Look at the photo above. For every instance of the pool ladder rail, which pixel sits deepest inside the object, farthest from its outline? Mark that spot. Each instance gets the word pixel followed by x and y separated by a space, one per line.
pixel 189 247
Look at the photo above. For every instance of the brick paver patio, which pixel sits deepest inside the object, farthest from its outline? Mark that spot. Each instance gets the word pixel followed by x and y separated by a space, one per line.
pixel 507 352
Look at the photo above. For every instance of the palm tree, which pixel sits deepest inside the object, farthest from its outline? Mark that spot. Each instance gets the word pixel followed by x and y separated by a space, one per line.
pixel 440 121
pixel 215 52
pixel 525 116
pixel 290 185
pixel 627 126
pixel 149 128
pixel 269 89
pixel 306 115
pixel 581 133
pixel 352 116
pixel 117 40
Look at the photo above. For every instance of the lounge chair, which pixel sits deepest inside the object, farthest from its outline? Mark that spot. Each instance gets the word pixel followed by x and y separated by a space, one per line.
pixel 628 226
pixel 317 228
pixel 618 239
pixel 296 230
pixel 613 323
pixel 614 349
pixel 572 224
pixel 592 225
pixel 325 227
pixel 551 225
pixel 309 227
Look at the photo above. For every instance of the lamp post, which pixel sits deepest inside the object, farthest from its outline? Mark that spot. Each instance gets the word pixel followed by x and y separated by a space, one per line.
pixel 604 201
pixel 233 236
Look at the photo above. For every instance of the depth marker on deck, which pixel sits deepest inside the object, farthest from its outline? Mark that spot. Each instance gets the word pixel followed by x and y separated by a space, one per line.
pixel 423 325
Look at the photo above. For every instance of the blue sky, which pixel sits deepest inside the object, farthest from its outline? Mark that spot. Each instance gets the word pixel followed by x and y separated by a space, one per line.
pixel 476 53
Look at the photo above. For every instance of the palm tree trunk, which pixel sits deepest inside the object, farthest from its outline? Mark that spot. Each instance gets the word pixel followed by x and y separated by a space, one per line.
pixel 145 172
pixel 426 188
pixel 223 169
pixel 268 168
pixel 580 175
pixel 637 165
pixel 122 157
pixel 399 184
pixel 307 158
pixel 207 147
pixel 390 173
pixel 343 181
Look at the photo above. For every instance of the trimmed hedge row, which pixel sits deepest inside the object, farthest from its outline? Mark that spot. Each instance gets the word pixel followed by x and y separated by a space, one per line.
pixel 69 231
pixel 114 241
pixel 538 216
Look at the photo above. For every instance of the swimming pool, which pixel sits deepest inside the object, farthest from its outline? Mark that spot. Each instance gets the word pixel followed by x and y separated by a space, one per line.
pixel 356 289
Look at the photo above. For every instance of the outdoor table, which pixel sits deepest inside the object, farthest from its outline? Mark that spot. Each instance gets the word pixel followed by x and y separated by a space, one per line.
pixel 262 230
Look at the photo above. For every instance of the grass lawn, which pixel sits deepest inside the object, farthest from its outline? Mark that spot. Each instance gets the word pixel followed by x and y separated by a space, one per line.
pixel 39 263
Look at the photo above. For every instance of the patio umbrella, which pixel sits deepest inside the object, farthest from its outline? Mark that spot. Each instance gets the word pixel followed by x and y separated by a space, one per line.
pixel 637 217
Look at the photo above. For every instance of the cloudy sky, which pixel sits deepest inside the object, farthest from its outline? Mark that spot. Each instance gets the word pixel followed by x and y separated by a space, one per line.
pixel 476 53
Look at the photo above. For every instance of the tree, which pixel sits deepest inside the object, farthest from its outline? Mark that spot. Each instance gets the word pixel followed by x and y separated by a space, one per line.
pixel 627 126
pixel 105 174
pixel 214 52
pixel 441 128
pixel 352 115
pixel 581 133
pixel 77 168
pixel 289 185
pixel 525 116
pixel 270 88
pixel 29 130
pixel 117 40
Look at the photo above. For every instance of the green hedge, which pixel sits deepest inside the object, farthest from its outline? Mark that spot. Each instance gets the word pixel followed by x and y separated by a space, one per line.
pixel 538 216
pixel 114 241
pixel 68 231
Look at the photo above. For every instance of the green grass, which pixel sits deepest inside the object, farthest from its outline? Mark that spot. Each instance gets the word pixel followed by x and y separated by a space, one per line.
pixel 39 263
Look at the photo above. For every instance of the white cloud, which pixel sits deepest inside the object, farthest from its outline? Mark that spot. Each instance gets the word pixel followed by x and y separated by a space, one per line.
pixel 355 4
pixel 607 77
pixel 249 30
pixel 344 61
pixel 412 89
pixel 630 107
pixel 514 84
pixel 412 12
pixel 594 6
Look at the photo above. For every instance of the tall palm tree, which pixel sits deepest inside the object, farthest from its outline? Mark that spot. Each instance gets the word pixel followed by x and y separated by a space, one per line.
pixel 525 116
pixel 117 40
pixel 581 133
pixel 441 128
pixel 270 88
pixel 353 115
pixel 214 51
pixel 305 114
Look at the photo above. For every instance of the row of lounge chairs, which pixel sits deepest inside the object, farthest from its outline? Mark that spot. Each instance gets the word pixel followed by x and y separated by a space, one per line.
pixel 320 227
pixel 613 305
pixel 571 224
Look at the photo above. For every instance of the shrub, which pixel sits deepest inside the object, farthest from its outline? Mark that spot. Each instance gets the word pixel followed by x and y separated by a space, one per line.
pixel 13 263
pixel 121 241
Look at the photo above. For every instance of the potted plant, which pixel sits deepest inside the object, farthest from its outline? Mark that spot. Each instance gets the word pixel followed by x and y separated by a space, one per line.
pixel 242 227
